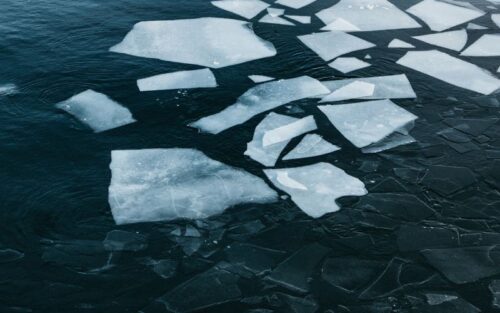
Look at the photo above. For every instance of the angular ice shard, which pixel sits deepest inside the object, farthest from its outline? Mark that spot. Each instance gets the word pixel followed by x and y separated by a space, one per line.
pixel 451 70
pixel 275 12
pixel 310 146
pixel 203 78
pixel 398 43
pixel 441 15
pixel 300 18
pixel 209 41
pixel 260 78
pixel 261 98
pixel 8 89
pixel 165 184
pixel 366 123
pixel 366 15
pixel 474 26
pixel 295 4
pixel 314 188
pixel 97 111
pixel 269 19
pixel 496 19
pixel 486 46
pixel 453 40
pixel 355 90
pixel 245 8
pixel 346 65
pixel 289 131
pixel 339 24
pixel 329 45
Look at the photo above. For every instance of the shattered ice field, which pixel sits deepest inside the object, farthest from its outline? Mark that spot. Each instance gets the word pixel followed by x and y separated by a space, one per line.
pixel 250 156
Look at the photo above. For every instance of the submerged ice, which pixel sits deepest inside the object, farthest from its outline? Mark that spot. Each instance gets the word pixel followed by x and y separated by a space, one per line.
pixel 203 78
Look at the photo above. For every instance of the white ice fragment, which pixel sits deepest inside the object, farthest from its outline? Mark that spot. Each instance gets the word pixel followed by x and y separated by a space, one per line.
pixel 300 18
pixel 346 65
pixel 289 131
pixel 269 19
pixel 8 89
pixel 315 188
pixel 329 45
pixel 366 123
pixel 311 145
pixel 165 184
pixel 97 111
pixel 451 70
pixel 474 26
pixel 498 70
pixel 368 57
pixel 441 15
pixel 295 4
pixel 398 43
pixel 245 8
pixel 260 78
pixel 496 19
pixel 261 98
pixel 486 46
pixel 453 40
pixel 365 15
pixel 355 90
pixel 211 42
pixel 203 78
pixel 275 12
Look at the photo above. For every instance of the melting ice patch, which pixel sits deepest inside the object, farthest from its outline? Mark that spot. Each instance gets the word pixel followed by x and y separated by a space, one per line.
pixel 203 78
pixel 486 46
pixel 398 43
pixel 245 8
pixel 346 65
pixel 165 184
pixel 295 4
pixel 311 145
pixel 355 90
pixel 453 40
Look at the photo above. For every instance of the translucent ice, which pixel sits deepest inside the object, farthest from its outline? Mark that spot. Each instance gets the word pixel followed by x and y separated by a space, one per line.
pixel 203 78
pixel 453 40
pixel 261 98
pixel 8 89
pixel 314 188
pixel 97 111
pixel 340 24
pixel 310 146
pixel 164 184
pixel 289 131
pixel 269 19
pixel 346 65
pixel 211 42
pixel 245 8
pixel 300 18
pixel 451 70
pixel 295 4
pixel 398 43
pixel 260 78
pixel 355 90
pixel 486 46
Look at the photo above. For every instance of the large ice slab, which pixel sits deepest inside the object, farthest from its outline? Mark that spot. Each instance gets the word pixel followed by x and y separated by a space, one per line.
pixel 451 70
pixel 261 98
pixel 211 42
pixel 453 40
pixel 486 46
pixel 398 43
pixel 441 15
pixel 295 4
pixel 311 145
pixel 245 8
pixel 355 90
pixel 365 15
pixel 97 111
pixel 165 184
pixel 203 78
pixel 366 123
pixel 314 188
pixel 346 65
pixel 329 45
pixel 289 131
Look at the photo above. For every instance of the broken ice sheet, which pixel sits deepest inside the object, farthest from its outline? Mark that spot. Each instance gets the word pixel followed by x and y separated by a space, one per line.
pixel 314 188
pixel 203 78
pixel 261 98
pixel 398 43
pixel 245 8
pixel 260 78
pixel 300 18
pixel 441 15
pixel 275 12
pixel 97 111
pixel 164 184
pixel 486 46
pixel 365 15
pixel 269 19
pixel 346 65
pixel 453 40
pixel 295 4
pixel 289 131
pixel 211 42
pixel 310 146
pixel 451 70
pixel 474 26
pixel 356 89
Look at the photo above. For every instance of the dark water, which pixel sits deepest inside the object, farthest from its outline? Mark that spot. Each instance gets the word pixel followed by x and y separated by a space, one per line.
pixel 54 213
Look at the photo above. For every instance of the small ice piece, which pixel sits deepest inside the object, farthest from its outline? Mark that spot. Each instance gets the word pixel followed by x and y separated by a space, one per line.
pixel 314 188
pixel 453 40
pixel 366 123
pixel 442 15
pixel 295 4
pixel 8 89
pixel 368 57
pixel 451 70
pixel 274 12
pixel 365 15
pixel 474 26
pixel 311 145
pixel 355 90
pixel 209 41
pixel 97 111
pixel 165 184
pixel 398 43
pixel 289 131
pixel 300 18
pixel 329 45
pixel 346 65
pixel 269 19
pixel 260 78
pixel 203 78
pixel 486 46
pixel 496 19
pixel 261 98
pixel 245 8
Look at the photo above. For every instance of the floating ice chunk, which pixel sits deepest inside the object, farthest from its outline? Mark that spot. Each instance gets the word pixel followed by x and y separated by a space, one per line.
pixel 441 15
pixel 97 111
pixel 340 24
pixel 269 19
pixel 8 89
pixel 346 65
pixel 275 12
pixel 498 69
pixel 211 42
pixel 394 140
pixel 261 98
pixel 486 46
pixel 203 78
pixel 366 15
pixel 310 146
pixel 355 90
pixel 474 26
pixel 164 184
pixel 398 43
pixel 496 19
pixel 300 18
pixel 295 4
pixel 260 78
pixel 329 45
pixel 451 70
pixel 453 40
pixel 366 123
pixel 314 188
pixel 289 131
pixel 245 8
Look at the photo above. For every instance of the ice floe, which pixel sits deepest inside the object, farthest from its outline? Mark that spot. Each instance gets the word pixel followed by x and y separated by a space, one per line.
pixel 346 65
pixel 355 90
pixel 261 98
pixel 451 70
pixel 211 42
pixel 203 78
pixel 314 188
pixel 295 4
pixel 311 145
pixel 300 18
pixel 289 131
pixel 260 78
pixel 486 46
pixel 245 8
pixel 398 43
pixel 453 40
pixel 97 111
pixel 275 12
pixel 269 19
pixel 164 184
